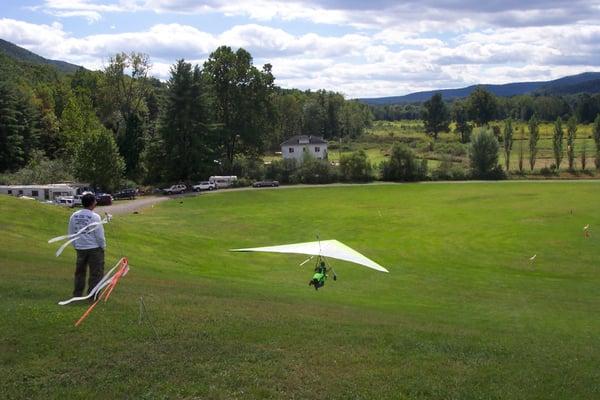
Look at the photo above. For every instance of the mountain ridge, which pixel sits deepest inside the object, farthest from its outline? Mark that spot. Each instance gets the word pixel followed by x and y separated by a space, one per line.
pixel 586 82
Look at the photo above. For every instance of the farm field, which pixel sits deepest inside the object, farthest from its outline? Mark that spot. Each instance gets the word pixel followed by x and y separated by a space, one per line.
pixel 462 314
pixel 379 139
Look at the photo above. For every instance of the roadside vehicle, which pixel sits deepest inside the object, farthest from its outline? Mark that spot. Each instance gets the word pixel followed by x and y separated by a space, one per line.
pixel 129 193
pixel 223 181
pixel 104 199
pixel 175 189
pixel 259 184
pixel 205 185
pixel 65 201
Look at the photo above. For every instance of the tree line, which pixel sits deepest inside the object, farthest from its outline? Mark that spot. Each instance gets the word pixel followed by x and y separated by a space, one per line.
pixel 102 127
pixel 481 107
pixel 546 107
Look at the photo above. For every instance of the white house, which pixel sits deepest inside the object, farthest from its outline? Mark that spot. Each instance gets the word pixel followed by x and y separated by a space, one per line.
pixel 296 146
pixel 40 192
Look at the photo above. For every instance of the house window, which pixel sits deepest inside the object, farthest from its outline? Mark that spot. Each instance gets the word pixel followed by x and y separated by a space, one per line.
pixel 291 150
pixel 20 193
pixel 34 193
pixel 317 149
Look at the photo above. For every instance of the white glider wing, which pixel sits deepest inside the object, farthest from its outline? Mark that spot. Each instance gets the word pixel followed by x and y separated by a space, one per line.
pixel 325 248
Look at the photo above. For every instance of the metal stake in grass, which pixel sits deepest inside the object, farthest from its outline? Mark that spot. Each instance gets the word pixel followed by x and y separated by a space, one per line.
pixel 144 313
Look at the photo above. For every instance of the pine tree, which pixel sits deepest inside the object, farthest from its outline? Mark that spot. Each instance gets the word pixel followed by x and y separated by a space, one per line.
pixel 11 140
pixel 184 125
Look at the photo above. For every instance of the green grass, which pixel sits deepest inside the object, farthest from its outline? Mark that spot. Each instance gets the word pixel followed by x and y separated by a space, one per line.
pixel 462 314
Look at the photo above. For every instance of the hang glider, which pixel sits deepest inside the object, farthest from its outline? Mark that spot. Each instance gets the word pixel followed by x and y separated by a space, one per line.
pixel 324 248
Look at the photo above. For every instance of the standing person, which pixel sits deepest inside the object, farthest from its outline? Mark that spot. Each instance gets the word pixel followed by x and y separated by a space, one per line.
pixel 89 245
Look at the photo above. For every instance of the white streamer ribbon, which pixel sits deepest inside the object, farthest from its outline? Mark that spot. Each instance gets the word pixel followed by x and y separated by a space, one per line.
pixel 105 281
pixel 73 237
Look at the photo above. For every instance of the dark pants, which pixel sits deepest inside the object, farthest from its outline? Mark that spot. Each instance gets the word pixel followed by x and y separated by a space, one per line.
pixel 95 259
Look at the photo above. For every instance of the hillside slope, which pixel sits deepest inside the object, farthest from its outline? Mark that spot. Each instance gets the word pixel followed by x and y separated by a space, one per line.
pixel 21 54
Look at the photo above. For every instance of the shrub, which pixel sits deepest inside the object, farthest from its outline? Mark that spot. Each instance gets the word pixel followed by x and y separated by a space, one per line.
pixel 242 182
pixel 545 171
pixel 356 167
pixel 250 168
pixel 403 166
pixel 281 170
pixel 448 171
pixel 483 155
pixel 454 149
pixel 314 171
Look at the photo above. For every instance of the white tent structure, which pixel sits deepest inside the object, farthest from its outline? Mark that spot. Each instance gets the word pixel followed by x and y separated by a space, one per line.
pixel 325 248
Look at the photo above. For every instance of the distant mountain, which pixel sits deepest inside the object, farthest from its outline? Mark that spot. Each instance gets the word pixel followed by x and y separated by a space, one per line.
pixel 21 54
pixel 587 82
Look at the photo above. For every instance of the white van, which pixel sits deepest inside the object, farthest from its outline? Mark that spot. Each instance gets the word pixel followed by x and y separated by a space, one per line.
pixel 223 181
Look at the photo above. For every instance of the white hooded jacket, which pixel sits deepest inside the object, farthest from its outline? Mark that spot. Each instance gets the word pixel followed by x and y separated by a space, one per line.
pixel 87 240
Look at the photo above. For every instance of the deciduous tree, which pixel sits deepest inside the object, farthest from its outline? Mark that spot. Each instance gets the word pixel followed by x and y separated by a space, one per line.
pixel 534 136
pixel 507 141
pixel 557 142
pixel 436 116
pixel 571 135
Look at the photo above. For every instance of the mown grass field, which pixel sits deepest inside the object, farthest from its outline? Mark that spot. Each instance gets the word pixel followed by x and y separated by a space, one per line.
pixel 463 314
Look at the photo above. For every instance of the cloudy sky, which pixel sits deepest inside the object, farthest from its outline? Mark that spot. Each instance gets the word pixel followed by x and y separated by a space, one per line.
pixel 365 48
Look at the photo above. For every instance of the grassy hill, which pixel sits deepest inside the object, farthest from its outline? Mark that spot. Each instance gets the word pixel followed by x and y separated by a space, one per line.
pixel 462 314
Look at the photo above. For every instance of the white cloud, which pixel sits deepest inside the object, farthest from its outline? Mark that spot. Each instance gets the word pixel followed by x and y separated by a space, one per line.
pixel 424 53
pixel 418 15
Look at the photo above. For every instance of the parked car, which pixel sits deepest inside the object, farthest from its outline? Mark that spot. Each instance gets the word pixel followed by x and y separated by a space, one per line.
pixel 104 199
pixel 205 185
pixel 66 201
pixel 258 184
pixel 175 189
pixel 126 194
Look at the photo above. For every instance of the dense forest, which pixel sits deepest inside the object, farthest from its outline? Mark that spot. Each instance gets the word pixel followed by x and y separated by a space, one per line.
pixel 120 123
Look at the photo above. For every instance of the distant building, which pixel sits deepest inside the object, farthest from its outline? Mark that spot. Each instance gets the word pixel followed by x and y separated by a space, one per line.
pixel 40 192
pixel 296 146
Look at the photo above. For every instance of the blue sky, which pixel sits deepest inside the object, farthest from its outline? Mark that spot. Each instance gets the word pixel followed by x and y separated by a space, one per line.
pixel 360 48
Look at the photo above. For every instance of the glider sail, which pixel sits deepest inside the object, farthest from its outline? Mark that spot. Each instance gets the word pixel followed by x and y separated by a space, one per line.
pixel 325 248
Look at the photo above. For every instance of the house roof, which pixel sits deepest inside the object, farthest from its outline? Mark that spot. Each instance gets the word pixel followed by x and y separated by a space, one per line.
pixel 303 139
